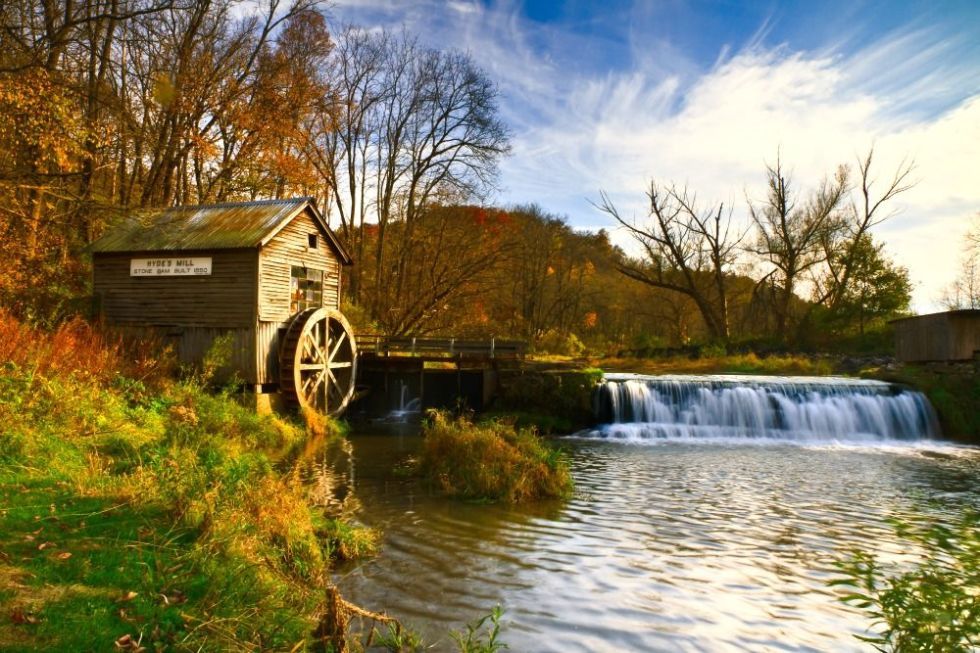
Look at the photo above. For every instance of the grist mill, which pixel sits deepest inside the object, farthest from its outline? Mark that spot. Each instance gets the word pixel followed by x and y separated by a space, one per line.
pixel 268 275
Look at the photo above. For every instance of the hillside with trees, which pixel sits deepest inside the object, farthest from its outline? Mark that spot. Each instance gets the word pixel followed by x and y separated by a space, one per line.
pixel 107 107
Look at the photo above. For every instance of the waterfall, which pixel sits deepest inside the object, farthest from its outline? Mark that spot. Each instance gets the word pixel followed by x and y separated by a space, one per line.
pixel 635 407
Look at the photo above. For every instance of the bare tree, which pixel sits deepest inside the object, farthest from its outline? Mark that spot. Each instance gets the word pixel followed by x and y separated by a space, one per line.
pixel 843 243
pixel 418 125
pixel 964 291
pixel 454 249
pixel 344 146
pixel 686 250
pixel 789 236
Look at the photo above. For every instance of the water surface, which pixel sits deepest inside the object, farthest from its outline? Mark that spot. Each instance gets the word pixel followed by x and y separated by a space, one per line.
pixel 666 546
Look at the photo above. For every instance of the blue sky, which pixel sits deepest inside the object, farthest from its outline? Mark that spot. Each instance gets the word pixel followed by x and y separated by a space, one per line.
pixel 608 95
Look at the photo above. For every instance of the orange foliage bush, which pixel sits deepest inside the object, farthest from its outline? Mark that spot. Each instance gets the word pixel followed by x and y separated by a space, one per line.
pixel 81 349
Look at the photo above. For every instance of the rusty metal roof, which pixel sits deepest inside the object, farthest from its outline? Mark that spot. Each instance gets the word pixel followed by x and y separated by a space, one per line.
pixel 237 225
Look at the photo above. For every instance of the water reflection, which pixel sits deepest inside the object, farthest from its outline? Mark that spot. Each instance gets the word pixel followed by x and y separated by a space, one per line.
pixel 675 547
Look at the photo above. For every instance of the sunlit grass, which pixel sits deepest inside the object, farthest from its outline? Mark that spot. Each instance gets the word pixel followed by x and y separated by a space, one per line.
pixel 734 364
pixel 151 514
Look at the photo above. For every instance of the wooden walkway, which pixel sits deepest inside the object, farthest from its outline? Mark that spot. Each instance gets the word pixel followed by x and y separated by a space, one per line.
pixel 440 348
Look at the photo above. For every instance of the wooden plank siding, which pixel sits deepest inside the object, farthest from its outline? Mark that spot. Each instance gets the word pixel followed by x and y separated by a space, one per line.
pixel 225 298
pixel 267 351
pixel 191 343
pixel 951 336
pixel 288 248
pixel 194 342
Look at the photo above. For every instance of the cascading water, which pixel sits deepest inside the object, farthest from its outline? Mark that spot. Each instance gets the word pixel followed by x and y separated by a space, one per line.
pixel 636 407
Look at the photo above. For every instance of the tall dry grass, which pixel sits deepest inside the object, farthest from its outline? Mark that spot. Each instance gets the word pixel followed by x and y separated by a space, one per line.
pixel 84 350
pixel 491 461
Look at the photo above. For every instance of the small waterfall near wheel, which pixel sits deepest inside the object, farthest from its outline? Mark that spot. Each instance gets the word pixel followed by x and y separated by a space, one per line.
pixel 636 407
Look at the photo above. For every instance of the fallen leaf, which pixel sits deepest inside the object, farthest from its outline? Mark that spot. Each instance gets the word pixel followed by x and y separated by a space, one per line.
pixel 63 555
pixel 127 643
pixel 45 545
pixel 128 596
pixel 176 597
pixel 19 617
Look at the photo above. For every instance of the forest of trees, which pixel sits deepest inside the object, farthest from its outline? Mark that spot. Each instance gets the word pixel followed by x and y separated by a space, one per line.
pixel 109 106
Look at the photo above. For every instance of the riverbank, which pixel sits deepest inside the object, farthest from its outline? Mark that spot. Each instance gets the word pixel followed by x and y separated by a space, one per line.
pixel 142 513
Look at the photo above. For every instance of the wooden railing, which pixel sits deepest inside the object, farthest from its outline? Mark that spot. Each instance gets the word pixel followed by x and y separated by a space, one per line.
pixel 440 347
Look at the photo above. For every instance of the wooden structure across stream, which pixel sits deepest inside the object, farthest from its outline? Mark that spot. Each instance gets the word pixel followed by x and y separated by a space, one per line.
pixel 266 276
pixel 403 375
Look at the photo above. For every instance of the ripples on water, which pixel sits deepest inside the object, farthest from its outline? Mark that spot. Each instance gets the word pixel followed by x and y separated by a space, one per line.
pixel 670 546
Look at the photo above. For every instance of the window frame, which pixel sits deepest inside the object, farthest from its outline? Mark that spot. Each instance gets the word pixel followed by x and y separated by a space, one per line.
pixel 305 288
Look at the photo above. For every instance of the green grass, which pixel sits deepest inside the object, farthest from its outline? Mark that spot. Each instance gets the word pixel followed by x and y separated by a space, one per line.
pixel 544 423
pixel 491 461
pixel 155 514
pixel 722 364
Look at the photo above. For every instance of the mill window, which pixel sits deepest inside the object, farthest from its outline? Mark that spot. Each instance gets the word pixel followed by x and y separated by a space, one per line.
pixel 311 241
pixel 305 289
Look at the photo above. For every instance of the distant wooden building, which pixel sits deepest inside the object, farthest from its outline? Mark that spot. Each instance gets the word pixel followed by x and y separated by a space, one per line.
pixel 938 337
pixel 267 274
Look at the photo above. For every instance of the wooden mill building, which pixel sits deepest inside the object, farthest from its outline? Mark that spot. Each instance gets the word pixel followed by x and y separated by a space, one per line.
pixel 266 274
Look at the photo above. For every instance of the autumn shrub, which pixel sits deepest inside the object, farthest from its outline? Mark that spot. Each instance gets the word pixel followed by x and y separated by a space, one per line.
pixel 554 341
pixel 492 461
pixel 78 348
pixel 348 541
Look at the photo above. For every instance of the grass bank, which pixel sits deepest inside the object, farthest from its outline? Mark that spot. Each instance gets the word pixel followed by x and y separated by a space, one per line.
pixel 491 461
pixel 138 512
pixel 750 363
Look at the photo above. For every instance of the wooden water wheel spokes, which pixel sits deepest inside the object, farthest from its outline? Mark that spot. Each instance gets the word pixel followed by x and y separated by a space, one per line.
pixel 318 361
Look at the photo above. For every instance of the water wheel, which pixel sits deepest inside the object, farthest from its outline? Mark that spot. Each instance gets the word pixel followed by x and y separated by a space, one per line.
pixel 318 361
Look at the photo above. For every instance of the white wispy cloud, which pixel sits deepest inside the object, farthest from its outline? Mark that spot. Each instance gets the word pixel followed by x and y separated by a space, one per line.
pixel 583 124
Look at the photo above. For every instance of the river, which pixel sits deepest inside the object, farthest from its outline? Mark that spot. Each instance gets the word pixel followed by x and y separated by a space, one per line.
pixel 669 544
